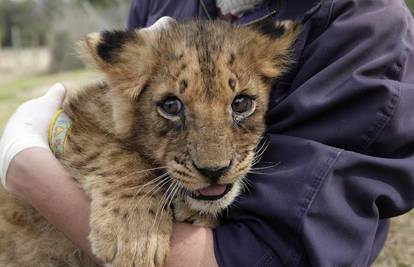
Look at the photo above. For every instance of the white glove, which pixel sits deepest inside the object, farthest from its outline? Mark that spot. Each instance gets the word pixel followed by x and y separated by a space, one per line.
pixel 28 127
pixel 161 23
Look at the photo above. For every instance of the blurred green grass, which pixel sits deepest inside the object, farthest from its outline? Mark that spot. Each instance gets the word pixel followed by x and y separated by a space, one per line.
pixel 410 4
pixel 13 92
pixel 10 89
pixel 399 248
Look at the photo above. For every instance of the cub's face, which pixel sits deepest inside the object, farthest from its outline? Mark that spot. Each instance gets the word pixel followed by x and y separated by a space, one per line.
pixel 192 98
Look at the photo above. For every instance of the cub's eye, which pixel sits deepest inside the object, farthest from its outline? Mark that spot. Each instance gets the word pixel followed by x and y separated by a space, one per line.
pixel 242 105
pixel 171 106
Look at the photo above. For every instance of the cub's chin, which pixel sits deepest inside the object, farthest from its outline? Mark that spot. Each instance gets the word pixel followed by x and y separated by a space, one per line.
pixel 215 199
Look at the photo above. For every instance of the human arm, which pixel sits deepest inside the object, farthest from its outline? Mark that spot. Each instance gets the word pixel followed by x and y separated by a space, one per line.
pixel 36 177
pixel 33 173
pixel 191 246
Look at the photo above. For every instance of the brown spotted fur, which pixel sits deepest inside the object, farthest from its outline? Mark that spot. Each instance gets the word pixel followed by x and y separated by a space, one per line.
pixel 118 137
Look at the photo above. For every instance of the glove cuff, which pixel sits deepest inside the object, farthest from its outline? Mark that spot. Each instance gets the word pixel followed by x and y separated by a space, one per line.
pixel 11 149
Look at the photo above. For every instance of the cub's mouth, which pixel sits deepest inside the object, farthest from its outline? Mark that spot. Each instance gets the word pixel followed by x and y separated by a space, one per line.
pixel 210 193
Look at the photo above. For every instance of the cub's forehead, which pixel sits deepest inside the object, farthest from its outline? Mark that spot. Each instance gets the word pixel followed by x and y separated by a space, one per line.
pixel 196 33
pixel 207 46
pixel 201 57
pixel 204 38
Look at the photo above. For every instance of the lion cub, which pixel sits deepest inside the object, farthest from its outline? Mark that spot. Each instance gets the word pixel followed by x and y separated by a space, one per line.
pixel 169 136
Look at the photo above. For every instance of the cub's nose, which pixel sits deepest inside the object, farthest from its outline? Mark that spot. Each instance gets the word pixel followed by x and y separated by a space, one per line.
pixel 212 173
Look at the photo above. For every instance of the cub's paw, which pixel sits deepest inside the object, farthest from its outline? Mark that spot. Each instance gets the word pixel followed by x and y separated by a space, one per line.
pixel 148 250
pixel 127 244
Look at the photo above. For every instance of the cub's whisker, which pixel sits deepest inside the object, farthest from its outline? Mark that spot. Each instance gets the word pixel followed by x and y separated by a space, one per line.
pixel 263 173
pixel 246 184
pixel 131 174
pixel 166 201
pixel 164 196
pixel 259 155
pixel 265 143
pixel 153 169
pixel 155 188
pixel 142 186
pixel 266 167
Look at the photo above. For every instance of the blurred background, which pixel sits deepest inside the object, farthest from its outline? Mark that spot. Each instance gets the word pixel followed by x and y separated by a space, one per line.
pixel 37 49
pixel 37 44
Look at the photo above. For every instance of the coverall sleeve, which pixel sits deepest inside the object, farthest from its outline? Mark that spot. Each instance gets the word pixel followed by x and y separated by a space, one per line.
pixel 341 134
pixel 138 14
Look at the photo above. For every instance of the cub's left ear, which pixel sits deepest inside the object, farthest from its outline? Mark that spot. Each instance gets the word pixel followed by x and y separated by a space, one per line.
pixel 276 53
pixel 123 56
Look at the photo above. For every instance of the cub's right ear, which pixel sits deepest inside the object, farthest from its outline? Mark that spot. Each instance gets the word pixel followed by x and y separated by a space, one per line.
pixel 127 57
pixel 102 49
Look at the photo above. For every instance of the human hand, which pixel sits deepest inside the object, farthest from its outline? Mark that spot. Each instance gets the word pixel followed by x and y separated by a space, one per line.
pixel 160 24
pixel 28 127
